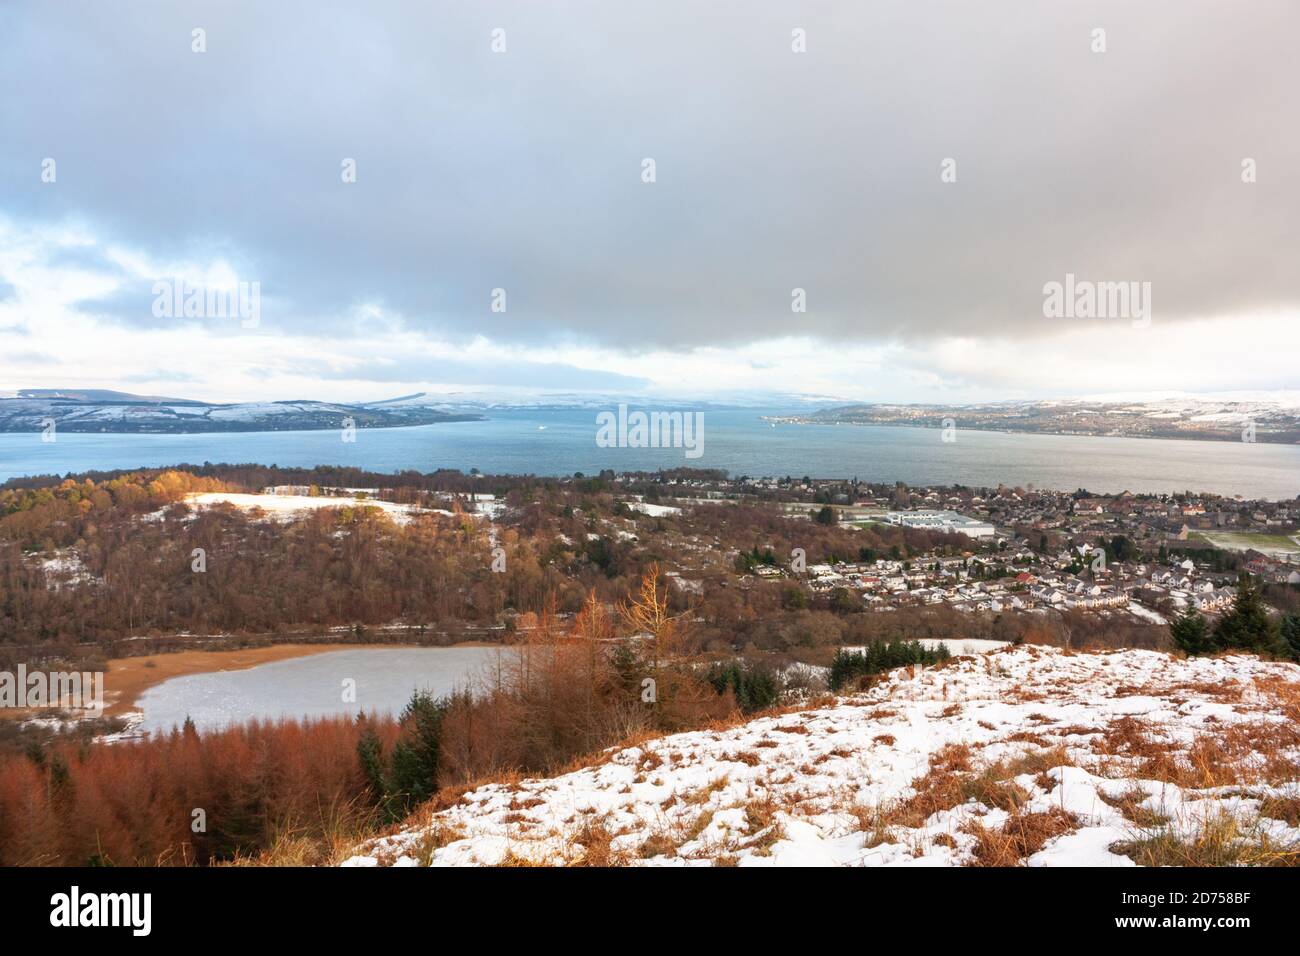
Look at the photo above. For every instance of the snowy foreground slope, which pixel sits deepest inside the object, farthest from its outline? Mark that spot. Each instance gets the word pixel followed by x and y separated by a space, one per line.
pixel 1024 755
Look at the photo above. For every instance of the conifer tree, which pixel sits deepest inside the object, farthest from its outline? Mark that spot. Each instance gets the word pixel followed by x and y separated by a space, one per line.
pixel 1291 634
pixel 1247 626
pixel 370 752
pixel 415 755
pixel 1191 633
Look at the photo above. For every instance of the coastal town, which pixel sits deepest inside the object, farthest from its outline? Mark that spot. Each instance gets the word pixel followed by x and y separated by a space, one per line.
pixel 985 551
pixel 1147 555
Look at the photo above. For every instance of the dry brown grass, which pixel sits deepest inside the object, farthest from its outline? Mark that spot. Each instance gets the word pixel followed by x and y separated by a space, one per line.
pixel 1076 730
pixel 1034 762
pixel 951 758
pixel 760 812
pixel 1258 752
pixel 1129 804
pixel 434 839
pixel 760 816
pixel 294 851
pixel 702 795
pixel 657 844
pixel 697 826
pixel 670 837
pixel 1027 737
pixel 877 828
pixel 595 840
pixel 512 860
pixel 1228 692
pixel 1286 809
pixel 1222 839
pixel 953 780
pixel 1020 837
pixel 649 760
pixel 1284 695
pixel 1126 737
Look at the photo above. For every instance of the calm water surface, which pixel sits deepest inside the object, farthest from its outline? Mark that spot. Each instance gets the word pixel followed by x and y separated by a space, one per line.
pixel 312 686
pixel 560 442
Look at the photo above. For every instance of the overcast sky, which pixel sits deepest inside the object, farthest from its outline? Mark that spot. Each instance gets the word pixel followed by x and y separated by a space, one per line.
pixel 774 170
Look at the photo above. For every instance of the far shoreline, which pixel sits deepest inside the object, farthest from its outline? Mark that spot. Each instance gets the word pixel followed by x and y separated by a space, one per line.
pixel 1201 437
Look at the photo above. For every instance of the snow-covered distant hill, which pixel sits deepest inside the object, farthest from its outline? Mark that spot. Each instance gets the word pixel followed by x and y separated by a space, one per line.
pixel 1225 416
pixel 104 411
pixel 1228 408
pixel 1254 416
pixel 522 399
pixel 1274 398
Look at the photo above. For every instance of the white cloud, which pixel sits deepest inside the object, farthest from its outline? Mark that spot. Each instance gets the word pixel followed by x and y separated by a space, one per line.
pixel 216 360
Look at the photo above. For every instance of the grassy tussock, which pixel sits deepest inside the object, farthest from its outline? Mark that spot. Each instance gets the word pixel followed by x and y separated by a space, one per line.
pixel 1020 837
pixel 1222 839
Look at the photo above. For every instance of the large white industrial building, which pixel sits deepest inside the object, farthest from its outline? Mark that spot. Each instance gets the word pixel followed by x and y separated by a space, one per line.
pixel 932 520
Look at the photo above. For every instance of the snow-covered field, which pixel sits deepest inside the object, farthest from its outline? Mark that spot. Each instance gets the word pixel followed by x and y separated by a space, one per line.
pixel 288 507
pixel 655 511
pixel 956 646
pixel 1274 545
pixel 1146 613
pixel 1029 754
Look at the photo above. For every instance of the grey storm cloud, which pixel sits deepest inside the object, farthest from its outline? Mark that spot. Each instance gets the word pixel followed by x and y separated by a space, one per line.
pixel 775 170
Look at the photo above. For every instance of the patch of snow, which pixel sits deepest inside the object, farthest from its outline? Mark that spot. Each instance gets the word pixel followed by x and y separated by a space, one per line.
pixel 693 791
pixel 958 647
pixel 655 511
pixel 1145 613
pixel 288 507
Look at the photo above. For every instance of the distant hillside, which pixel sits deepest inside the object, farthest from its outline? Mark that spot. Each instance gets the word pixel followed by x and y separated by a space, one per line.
pixel 105 395
pixel 101 410
pixel 1247 417
pixel 109 411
